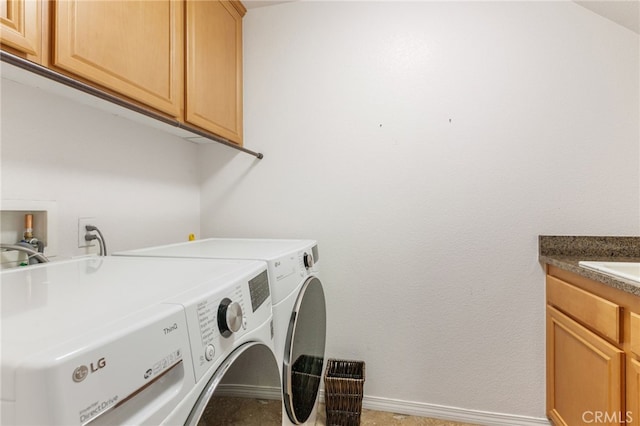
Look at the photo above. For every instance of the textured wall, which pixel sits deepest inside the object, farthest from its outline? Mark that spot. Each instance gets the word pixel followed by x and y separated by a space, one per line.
pixel 139 183
pixel 426 145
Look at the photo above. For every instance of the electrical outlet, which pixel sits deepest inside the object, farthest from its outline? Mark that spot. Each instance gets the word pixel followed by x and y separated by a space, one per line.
pixel 82 231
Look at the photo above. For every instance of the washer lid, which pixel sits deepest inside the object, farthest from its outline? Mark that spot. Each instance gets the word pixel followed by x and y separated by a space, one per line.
pixel 50 304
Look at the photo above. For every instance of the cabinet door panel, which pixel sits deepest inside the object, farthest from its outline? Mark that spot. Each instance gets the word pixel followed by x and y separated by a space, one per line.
pixel 633 391
pixel 21 26
pixel 214 68
pixel 584 374
pixel 634 325
pixel 131 47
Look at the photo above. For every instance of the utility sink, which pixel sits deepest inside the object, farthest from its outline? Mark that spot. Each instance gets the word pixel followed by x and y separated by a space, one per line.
pixel 627 270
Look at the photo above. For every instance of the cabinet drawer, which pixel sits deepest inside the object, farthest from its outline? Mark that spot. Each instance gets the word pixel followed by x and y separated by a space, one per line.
pixel 597 313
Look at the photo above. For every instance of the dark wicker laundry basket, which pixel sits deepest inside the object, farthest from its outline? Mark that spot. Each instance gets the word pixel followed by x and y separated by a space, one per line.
pixel 343 386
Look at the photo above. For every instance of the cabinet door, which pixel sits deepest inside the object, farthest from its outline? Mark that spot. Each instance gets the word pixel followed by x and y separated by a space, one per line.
pixel 133 48
pixel 214 67
pixel 633 371
pixel 633 391
pixel 21 26
pixel 584 375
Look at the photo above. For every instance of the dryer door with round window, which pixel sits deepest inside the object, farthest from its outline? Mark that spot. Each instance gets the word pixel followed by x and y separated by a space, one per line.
pixel 304 351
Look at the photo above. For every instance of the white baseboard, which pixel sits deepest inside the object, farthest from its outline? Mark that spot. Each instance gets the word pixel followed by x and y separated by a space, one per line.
pixel 450 413
pixel 402 407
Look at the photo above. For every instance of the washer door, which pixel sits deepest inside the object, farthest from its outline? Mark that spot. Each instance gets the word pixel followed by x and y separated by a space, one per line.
pixel 304 351
pixel 245 390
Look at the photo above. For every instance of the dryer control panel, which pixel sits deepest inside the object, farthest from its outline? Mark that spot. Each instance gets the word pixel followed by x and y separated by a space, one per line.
pixel 286 272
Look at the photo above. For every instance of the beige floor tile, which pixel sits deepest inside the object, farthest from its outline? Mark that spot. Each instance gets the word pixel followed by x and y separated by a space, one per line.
pixel 383 418
pixel 259 412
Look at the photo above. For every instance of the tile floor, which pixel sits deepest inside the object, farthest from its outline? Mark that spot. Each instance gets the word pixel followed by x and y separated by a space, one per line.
pixel 258 412
pixel 383 418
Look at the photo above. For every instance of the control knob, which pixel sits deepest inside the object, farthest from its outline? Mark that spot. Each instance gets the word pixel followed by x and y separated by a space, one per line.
pixel 229 317
pixel 308 260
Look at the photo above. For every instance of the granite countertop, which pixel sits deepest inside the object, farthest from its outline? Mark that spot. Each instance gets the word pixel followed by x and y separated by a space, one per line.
pixel 565 252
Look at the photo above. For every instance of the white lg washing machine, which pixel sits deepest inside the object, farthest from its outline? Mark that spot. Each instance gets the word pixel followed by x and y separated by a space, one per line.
pixel 113 340
pixel 298 309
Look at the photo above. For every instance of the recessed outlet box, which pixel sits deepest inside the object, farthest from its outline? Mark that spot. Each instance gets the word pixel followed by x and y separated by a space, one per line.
pixel 82 231
pixel 12 227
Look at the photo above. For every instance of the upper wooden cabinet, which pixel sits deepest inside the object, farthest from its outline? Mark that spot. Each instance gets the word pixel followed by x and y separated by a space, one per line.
pixel 214 67
pixel 182 58
pixel 21 27
pixel 134 48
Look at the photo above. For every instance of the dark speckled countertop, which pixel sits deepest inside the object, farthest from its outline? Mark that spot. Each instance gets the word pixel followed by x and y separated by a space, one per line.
pixel 566 251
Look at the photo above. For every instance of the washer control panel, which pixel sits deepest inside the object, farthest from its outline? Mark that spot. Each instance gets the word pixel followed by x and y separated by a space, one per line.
pixel 230 317
pixel 210 352
pixel 223 315
pixel 259 290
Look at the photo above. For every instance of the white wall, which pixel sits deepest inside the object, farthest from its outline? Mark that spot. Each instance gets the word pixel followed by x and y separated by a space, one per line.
pixel 426 145
pixel 139 183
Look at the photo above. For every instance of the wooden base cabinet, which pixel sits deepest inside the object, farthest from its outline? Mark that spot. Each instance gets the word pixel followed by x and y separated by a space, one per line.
pixel 593 352
pixel 133 48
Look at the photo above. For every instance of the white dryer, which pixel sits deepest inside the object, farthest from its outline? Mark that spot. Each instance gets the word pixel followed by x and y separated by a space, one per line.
pixel 299 312
pixel 107 340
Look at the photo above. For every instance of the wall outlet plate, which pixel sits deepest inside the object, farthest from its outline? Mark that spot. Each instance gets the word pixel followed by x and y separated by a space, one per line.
pixel 82 231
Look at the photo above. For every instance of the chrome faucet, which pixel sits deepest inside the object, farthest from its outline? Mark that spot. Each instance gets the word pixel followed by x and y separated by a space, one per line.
pixel 34 256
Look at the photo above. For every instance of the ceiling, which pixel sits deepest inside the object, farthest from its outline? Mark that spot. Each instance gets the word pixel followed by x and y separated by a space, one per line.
pixel 623 12
pixel 252 4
